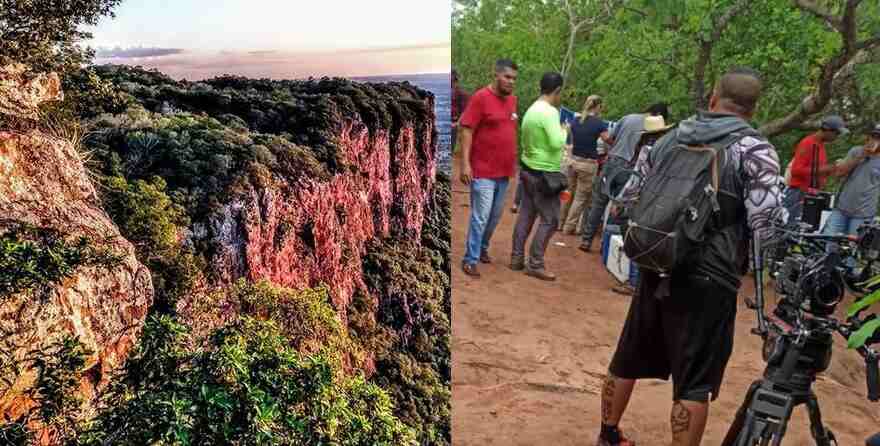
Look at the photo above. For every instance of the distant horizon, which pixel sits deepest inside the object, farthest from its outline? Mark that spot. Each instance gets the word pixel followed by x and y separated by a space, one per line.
pixel 316 76
pixel 199 39
pixel 272 64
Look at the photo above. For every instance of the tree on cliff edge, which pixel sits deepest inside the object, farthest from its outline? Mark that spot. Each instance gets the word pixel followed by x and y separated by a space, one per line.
pixel 45 34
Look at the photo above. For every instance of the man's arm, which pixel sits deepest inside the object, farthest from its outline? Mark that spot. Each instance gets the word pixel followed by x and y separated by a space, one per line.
pixel 466 174
pixel 763 194
pixel 556 132
pixel 633 187
pixel 845 166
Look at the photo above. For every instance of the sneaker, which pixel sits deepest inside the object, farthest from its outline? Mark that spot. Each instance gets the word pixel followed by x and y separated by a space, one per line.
pixel 540 274
pixel 484 257
pixel 470 270
pixel 623 441
pixel 517 264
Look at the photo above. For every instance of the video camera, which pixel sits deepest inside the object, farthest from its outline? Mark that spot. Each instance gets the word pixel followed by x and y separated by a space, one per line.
pixel 812 273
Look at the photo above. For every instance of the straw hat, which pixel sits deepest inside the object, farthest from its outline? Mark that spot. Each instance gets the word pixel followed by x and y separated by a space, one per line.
pixel 655 124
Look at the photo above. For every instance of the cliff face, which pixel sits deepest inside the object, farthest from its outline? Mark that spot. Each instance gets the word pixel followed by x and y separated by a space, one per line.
pixel 287 180
pixel 314 231
pixel 43 184
pixel 311 183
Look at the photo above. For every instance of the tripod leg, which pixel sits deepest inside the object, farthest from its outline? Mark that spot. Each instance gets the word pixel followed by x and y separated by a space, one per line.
pixel 739 422
pixel 822 436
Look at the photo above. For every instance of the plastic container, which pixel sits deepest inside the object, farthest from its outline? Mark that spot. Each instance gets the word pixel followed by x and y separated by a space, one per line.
pixel 617 263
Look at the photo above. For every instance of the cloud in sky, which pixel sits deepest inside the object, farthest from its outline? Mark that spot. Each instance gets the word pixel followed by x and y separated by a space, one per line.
pixel 252 25
pixel 138 52
pixel 275 64
pixel 197 39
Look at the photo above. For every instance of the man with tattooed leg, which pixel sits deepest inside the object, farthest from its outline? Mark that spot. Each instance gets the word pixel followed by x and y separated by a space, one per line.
pixel 682 324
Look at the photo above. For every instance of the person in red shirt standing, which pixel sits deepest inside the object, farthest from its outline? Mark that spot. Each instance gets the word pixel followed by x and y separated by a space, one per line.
pixel 488 159
pixel 809 166
pixel 459 103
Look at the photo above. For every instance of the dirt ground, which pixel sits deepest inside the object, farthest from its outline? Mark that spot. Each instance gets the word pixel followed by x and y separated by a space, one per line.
pixel 529 357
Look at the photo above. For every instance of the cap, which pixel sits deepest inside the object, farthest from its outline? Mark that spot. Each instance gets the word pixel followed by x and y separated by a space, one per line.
pixel 835 123
pixel 875 131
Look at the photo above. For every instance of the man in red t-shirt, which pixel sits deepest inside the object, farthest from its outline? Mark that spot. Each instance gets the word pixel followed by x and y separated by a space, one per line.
pixel 488 159
pixel 809 166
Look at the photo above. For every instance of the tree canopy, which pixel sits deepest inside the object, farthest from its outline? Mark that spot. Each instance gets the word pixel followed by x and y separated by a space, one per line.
pixel 816 56
pixel 46 34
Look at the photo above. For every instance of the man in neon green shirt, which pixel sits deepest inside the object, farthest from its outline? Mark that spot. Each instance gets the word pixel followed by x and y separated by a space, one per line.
pixel 543 142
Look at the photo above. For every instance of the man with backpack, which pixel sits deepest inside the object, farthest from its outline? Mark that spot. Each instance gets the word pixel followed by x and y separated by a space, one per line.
pixel 625 136
pixel 709 181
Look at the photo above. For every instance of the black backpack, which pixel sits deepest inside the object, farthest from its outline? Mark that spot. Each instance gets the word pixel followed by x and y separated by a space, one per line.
pixel 678 205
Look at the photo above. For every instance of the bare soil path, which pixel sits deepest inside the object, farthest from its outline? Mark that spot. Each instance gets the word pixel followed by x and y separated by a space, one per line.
pixel 529 357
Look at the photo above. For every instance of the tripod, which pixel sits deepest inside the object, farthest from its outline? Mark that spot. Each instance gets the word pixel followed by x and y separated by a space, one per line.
pixel 763 417
pixel 796 348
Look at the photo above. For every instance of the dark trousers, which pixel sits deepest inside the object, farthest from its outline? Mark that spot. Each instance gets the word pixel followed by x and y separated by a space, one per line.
pixel 534 204
pixel 600 197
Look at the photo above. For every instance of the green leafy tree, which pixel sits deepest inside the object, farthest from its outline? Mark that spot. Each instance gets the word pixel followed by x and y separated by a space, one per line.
pixel 46 34
pixel 816 57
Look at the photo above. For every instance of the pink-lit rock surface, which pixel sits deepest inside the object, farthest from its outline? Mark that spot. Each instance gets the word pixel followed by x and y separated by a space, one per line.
pixel 314 232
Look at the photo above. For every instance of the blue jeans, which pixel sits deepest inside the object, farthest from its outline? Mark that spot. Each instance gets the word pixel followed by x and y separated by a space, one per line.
pixel 839 223
pixel 874 440
pixel 792 200
pixel 487 205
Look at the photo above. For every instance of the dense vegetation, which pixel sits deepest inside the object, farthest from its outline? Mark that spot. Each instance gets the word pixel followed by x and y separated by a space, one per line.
pixel 280 369
pixel 637 52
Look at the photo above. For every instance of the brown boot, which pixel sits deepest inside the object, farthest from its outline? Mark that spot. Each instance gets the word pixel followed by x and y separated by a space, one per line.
pixel 484 257
pixel 540 274
pixel 517 263
pixel 470 270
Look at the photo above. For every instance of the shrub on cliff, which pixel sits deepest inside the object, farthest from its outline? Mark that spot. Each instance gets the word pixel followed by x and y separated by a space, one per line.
pixel 197 157
pixel 152 221
pixel 248 386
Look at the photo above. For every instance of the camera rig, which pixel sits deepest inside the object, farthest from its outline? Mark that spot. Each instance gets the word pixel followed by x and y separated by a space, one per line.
pixel 812 273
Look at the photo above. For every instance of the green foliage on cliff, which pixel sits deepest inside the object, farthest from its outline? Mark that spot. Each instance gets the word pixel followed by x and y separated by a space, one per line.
pixel 34 259
pixel 249 385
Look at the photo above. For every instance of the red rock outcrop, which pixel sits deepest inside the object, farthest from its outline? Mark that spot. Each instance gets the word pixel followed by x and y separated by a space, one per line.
pixel 311 232
pixel 43 183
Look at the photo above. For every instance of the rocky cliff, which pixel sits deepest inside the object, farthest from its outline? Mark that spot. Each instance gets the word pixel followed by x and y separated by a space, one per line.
pixel 49 292
pixel 312 184
pixel 351 163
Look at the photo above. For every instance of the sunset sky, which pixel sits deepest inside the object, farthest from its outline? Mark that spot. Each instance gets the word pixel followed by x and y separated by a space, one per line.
pixel 277 38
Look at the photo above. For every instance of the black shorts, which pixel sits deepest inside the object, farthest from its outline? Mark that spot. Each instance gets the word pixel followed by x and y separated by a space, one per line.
pixel 688 335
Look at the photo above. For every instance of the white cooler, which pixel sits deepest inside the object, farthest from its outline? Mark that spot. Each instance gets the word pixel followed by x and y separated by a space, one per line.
pixel 618 263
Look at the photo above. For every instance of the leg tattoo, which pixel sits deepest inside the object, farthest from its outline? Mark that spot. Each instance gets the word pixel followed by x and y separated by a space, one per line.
pixel 607 398
pixel 680 419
